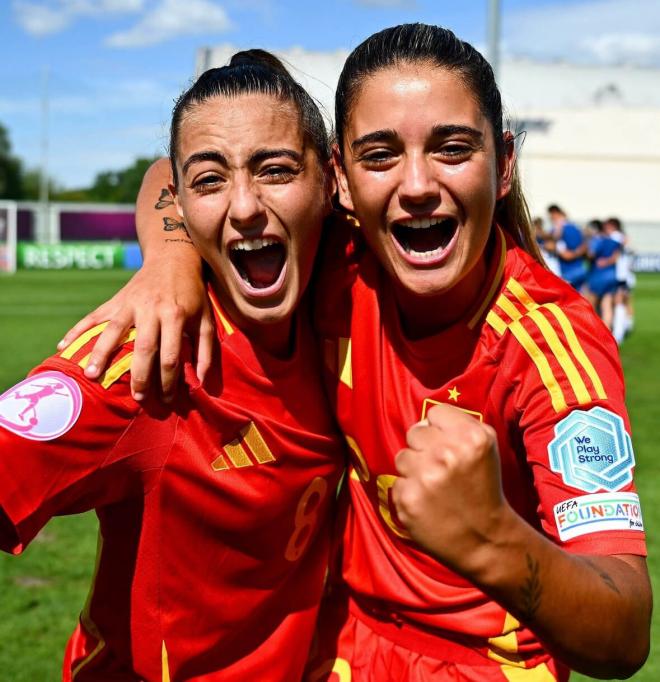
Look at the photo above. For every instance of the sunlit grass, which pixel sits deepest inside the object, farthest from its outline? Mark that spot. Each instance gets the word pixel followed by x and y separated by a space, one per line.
pixel 42 592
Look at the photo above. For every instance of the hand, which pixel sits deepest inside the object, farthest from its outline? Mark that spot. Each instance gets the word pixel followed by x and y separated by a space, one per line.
pixel 160 303
pixel 449 494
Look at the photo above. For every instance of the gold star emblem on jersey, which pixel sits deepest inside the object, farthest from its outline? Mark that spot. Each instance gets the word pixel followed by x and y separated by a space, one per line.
pixel 454 393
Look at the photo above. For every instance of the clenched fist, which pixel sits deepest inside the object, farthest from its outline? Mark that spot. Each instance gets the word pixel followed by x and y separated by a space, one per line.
pixel 449 494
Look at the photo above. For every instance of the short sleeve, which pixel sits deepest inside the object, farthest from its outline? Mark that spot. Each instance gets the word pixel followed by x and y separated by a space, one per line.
pixel 577 441
pixel 68 444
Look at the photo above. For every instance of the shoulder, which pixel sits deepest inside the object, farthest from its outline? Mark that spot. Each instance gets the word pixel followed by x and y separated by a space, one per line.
pixel 75 357
pixel 549 338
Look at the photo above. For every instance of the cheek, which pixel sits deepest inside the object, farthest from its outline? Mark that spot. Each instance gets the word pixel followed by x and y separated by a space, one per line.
pixel 203 218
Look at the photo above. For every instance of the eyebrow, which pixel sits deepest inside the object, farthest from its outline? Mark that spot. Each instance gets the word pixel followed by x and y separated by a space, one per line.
pixel 198 157
pixel 257 157
pixel 388 134
pixel 265 154
pixel 376 136
pixel 450 129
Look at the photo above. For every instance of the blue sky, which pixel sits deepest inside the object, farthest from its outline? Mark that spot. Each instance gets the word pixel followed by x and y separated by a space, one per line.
pixel 115 66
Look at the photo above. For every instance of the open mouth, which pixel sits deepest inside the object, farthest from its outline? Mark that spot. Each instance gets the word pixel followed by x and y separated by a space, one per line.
pixel 425 238
pixel 259 262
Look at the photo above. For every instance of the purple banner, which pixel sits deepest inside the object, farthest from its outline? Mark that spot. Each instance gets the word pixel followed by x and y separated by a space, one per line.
pixel 97 225
pixel 25 224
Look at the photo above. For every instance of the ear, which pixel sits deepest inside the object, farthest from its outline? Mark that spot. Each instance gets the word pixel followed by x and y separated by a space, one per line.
pixel 330 184
pixel 345 198
pixel 175 194
pixel 506 165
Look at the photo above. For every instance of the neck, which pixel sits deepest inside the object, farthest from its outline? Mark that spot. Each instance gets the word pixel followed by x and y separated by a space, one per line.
pixel 276 338
pixel 423 316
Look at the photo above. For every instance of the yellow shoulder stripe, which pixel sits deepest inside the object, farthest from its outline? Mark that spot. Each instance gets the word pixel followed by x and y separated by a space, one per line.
pixel 115 371
pixel 532 312
pixel 129 337
pixel 74 347
pixel 577 349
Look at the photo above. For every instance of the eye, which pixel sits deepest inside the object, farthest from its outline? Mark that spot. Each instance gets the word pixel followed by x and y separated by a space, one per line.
pixel 277 174
pixel 377 158
pixel 455 150
pixel 207 182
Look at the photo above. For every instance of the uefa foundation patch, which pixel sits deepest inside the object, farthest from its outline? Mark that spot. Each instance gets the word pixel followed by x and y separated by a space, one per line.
pixel 42 407
pixel 593 513
pixel 592 451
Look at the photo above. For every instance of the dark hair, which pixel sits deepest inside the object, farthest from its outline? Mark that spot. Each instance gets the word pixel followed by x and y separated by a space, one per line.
pixel 413 43
pixel 251 72
pixel 596 225
pixel 616 222
pixel 553 208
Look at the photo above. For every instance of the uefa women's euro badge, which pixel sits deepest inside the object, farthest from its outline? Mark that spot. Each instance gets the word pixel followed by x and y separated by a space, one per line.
pixel 592 451
pixel 42 407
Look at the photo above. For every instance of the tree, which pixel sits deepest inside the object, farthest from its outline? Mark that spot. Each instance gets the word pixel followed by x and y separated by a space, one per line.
pixel 11 170
pixel 119 186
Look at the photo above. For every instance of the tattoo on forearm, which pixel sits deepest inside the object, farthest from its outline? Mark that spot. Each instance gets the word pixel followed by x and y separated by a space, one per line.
pixel 531 590
pixel 171 225
pixel 604 575
pixel 181 241
pixel 165 199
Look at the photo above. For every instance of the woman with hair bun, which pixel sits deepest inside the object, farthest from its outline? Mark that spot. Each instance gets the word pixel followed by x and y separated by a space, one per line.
pixel 493 531
pixel 214 511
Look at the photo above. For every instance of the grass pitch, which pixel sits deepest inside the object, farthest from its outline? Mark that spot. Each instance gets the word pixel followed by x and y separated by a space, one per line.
pixel 42 592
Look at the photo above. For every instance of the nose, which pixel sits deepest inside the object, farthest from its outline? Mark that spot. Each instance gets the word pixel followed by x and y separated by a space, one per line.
pixel 245 205
pixel 418 184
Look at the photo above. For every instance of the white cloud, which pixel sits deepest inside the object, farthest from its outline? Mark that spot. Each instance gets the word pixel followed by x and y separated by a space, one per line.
pixel 618 47
pixel 51 16
pixel 600 31
pixel 173 18
pixel 39 20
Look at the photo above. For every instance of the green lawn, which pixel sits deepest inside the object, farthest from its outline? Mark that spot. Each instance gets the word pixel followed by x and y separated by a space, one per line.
pixel 42 592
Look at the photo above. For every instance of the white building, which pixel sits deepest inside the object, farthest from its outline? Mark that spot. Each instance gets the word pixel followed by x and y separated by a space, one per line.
pixel 592 140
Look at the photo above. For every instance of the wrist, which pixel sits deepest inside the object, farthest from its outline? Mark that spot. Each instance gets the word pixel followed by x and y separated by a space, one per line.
pixel 505 539
pixel 176 258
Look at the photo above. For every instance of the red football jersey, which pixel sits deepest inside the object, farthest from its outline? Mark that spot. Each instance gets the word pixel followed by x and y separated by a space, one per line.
pixel 532 360
pixel 214 512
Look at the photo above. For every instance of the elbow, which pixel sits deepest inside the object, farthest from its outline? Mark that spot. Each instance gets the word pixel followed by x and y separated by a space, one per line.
pixel 633 660
pixel 620 667
pixel 621 659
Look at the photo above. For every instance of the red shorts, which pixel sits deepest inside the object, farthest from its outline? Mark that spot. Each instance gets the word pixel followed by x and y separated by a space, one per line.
pixel 354 646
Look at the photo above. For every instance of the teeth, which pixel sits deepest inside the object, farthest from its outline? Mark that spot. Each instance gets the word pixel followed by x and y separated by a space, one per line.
pixel 420 223
pixel 425 255
pixel 252 244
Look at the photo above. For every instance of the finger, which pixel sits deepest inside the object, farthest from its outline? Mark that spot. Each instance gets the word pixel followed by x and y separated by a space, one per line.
pixel 144 353
pixel 108 341
pixel 91 320
pixel 397 493
pixel 404 462
pixel 422 435
pixel 449 418
pixel 171 334
pixel 205 343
